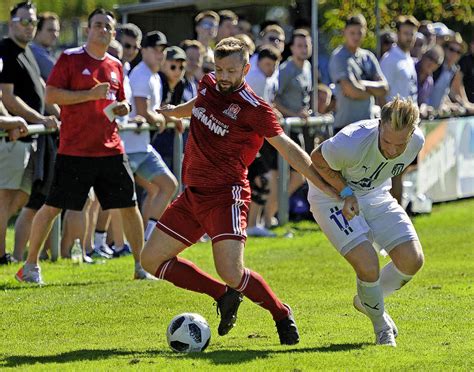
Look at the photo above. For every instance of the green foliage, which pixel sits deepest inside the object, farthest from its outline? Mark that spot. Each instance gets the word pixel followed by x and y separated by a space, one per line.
pixel 96 318
pixel 456 14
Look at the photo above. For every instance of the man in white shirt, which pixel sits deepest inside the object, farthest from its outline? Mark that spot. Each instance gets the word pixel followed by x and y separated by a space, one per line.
pixel 358 163
pixel 397 64
pixel 263 78
pixel 150 170
pixel 398 67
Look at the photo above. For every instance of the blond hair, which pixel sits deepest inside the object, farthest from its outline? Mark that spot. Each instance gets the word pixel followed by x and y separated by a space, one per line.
pixel 401 113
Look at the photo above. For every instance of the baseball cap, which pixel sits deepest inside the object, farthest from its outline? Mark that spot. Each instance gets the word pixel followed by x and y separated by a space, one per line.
pixel 175 53
pixel 155 38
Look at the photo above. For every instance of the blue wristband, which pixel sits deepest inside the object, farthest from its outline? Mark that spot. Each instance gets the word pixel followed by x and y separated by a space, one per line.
pixel 346 191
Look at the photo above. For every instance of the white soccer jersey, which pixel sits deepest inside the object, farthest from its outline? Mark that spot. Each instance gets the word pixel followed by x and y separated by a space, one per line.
pixel 354 151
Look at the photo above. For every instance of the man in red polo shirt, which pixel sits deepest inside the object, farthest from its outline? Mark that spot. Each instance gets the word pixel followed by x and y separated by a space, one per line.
pixel 84 82
pixel 228 125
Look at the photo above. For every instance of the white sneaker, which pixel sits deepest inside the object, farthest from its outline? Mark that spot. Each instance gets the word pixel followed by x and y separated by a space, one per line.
pixel 104 248
pixel 359 307
pixel 141 274
pixel 29 273
pixel 386 338
pixel 260 231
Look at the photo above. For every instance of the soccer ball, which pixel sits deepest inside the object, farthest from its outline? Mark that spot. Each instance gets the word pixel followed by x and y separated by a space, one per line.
pixel 188 333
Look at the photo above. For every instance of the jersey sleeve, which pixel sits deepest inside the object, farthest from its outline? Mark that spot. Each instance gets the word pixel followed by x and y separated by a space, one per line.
pixel 140 86
pixel 266 123
pixel 338 152
pixel 284 78
pixel 377 71
pixel 338 68
pixel 60 74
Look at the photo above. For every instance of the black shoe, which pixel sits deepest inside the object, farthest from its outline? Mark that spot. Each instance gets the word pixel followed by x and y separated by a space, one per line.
pixel 227 306
pixel 287 329
pixel 7 259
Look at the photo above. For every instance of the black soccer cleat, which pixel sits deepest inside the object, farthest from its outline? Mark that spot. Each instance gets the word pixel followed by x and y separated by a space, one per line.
pixel 287 329
pixel 227 306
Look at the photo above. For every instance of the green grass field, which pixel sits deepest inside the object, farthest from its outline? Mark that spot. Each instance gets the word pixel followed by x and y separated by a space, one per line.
pixel 97 318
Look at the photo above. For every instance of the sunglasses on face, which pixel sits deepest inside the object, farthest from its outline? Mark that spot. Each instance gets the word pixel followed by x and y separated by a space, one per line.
pixel 454 50
pixel 25 21
pixel 274 39
pixel 174 67
pixel 129 46
pixel 208 25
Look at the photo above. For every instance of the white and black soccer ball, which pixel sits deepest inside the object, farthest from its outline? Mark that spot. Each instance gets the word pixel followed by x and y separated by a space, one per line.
pixel 188 333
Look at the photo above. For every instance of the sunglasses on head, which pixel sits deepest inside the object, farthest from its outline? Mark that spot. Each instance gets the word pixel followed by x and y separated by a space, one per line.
pixel 129 46
pixel 454 50
pixel 174 67
pixel 25 21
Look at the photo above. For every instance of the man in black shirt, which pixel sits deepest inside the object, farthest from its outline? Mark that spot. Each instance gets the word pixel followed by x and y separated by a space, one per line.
pixel 23 95
pixel 467 68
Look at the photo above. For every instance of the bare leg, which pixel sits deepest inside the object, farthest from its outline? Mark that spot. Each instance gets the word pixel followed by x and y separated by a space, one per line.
pixel 42 224
pixel 116 228
pixel 133 226
pixel 271 206
pixel 160 190
pixel 22 230
pixel 10 202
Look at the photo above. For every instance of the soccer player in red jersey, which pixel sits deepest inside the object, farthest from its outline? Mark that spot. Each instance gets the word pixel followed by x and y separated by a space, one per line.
pixel 228 125
pixel 84 81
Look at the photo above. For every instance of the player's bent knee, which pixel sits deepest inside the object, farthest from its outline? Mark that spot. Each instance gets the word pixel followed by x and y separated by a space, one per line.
pixel 231 277
pixel 368 273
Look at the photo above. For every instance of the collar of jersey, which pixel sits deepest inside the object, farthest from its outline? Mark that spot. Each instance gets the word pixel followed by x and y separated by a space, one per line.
pixel 90 55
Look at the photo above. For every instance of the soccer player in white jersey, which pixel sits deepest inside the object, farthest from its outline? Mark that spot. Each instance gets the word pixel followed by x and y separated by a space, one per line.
pixel 359 162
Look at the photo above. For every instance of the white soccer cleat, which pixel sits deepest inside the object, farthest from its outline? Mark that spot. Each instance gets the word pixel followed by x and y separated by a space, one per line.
pixel 385 338
pixel 141 274
pixel 359 307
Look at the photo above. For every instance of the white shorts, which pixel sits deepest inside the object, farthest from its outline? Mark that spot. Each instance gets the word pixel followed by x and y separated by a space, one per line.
pixel 381 221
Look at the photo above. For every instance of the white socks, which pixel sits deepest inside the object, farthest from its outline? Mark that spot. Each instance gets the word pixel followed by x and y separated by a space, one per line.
pixel 371 297
pixel 149 228
pixel 392 279
pixel 100 238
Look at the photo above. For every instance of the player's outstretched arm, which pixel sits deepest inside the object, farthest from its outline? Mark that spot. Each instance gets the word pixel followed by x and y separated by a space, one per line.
pixel 301 161
pixel 183 110
pixel 335 179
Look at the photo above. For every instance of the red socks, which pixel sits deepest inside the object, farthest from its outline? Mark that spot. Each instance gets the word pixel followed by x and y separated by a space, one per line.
pixel 184 274
pixel 256 289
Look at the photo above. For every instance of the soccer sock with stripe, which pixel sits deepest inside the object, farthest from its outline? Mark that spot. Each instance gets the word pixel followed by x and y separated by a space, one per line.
pixel 149 228
pixel 185 274
pixel 371 297
pixel 392 279
pixel 256 289
pixel 100 238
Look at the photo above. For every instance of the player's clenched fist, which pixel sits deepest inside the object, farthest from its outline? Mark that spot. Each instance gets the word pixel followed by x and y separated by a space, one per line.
pixel 351 207
pixel 100 91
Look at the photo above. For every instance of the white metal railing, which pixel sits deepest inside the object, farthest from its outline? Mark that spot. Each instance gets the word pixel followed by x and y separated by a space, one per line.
pixel 325 121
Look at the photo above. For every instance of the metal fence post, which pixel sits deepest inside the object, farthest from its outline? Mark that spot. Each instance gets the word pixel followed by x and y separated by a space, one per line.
pixel 56 238
pixel 283 178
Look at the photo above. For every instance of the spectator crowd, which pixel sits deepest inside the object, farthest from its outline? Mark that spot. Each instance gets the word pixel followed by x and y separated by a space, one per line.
pixel 425 61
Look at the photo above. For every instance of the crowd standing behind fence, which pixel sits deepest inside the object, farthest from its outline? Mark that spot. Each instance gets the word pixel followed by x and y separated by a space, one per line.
pixel 438 71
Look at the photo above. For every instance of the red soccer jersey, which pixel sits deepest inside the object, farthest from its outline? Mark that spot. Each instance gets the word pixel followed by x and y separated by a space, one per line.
pixel 225 135
pixel 85 130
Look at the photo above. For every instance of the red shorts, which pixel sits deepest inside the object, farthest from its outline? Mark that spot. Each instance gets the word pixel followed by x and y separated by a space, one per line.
pixel 219 212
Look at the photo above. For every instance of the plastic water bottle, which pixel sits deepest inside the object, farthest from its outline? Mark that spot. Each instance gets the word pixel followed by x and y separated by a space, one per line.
pixel 76 252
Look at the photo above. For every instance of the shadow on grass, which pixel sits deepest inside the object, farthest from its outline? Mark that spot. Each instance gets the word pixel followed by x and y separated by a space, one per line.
pixel 216 357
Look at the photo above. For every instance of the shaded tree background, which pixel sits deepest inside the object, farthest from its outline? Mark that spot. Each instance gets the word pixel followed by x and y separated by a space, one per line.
pixel 456 14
